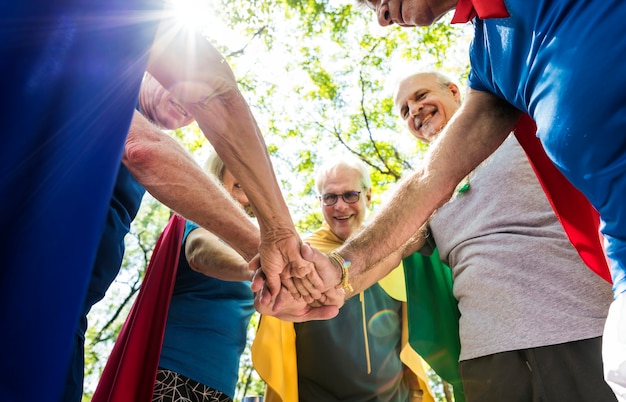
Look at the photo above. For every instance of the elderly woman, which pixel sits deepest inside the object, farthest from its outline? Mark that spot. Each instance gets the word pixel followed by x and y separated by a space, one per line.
pixel 209 313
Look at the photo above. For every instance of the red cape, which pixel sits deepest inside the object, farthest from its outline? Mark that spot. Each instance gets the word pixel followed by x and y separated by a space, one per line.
pixel 579 219
pixel 466 10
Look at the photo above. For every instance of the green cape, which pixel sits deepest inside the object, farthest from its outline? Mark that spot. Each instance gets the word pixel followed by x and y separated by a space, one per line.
pixel 433 316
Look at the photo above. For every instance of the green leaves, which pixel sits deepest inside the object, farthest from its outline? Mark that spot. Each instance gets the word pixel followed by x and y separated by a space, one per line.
pixel 319 77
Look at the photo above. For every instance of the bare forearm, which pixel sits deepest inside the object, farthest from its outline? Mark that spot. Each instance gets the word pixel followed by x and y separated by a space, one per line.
pixel 246 156
pixel 383 267
pixel 477 129
pixel 375 273
pixel 207 254
pixel 171 175
pixel 199 77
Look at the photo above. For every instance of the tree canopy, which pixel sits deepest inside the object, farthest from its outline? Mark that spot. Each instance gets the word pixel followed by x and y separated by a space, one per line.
pixel 319 76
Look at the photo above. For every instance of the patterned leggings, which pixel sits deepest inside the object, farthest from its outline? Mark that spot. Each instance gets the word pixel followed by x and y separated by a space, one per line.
pixel 173 387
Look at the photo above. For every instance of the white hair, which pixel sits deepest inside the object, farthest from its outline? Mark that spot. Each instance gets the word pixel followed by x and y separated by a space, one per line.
pixel 343 161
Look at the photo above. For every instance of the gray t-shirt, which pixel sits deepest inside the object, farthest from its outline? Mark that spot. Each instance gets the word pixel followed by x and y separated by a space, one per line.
pixel 519 281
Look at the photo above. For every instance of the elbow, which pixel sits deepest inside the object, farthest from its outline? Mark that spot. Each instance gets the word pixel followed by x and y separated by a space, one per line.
pixel 140 152
pixel 193 255
pixel 194 263
pixel 194 266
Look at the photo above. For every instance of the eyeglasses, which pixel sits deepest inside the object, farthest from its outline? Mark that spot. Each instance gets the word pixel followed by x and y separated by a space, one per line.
pixel 349 197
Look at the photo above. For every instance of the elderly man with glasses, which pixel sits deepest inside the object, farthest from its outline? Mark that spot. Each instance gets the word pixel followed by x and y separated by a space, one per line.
pixel 356 355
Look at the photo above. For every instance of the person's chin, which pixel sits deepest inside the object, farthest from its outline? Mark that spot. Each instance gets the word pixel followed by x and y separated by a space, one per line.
pixel 341 233
pixel 430 133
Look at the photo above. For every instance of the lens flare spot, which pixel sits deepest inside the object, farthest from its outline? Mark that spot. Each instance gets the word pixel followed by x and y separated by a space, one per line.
pixel 384 323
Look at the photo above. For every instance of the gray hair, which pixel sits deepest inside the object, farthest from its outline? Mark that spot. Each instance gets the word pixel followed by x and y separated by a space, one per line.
pixel 442 79
pixel 343 161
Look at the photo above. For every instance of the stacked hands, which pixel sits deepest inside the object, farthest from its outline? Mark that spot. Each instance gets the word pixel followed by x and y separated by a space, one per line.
pixel 295 282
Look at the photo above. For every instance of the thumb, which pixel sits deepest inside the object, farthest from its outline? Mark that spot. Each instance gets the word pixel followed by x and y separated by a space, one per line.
pixel 308 253
pixel 326 271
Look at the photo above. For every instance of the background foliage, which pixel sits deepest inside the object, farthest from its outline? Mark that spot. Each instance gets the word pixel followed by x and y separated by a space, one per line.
pixel 319 76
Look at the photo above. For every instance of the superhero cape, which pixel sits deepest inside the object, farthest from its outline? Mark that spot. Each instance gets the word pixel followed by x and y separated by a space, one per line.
pixel 433 316
pixel 579 219
pixel 130 371
pixel 466 10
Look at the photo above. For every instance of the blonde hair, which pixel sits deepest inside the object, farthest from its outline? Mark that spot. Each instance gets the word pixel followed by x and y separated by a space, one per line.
pixel 215 166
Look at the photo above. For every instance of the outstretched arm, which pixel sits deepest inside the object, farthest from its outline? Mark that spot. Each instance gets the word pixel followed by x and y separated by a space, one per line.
pixel 331 274
pixel 477 130
pixel 198 76
pixel 172 176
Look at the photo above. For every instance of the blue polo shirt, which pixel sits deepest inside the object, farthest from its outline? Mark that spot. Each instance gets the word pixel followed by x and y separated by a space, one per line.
pixel 560 61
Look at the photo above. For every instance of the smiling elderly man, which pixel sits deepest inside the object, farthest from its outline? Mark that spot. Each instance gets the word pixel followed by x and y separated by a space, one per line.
pixel 523 334
pixel 367 356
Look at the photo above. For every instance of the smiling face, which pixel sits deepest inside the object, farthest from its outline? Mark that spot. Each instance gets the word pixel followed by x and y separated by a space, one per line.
pixel 409 13
pixel 160 107
pixel 344 218
pixel 426 104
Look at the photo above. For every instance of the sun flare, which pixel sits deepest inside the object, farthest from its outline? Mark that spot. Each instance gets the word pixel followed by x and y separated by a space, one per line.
pixel 195 13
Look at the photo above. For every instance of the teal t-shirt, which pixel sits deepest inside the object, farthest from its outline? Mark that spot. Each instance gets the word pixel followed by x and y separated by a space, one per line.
pixel 206 327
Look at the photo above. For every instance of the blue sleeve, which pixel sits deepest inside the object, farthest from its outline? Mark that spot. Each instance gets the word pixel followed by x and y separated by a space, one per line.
pixel 477 60
pixel 189 226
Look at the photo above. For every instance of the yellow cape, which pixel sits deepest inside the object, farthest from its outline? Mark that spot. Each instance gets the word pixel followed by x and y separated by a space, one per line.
pixel 274 346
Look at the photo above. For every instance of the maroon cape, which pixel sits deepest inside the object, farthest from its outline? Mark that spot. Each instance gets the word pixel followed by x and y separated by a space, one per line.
pixel 131 369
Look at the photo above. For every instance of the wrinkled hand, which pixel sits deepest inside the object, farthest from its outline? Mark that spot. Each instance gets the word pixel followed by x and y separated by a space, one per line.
pixel 326 275
pixel 296 309
pixel 333 297
pixel 280 260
